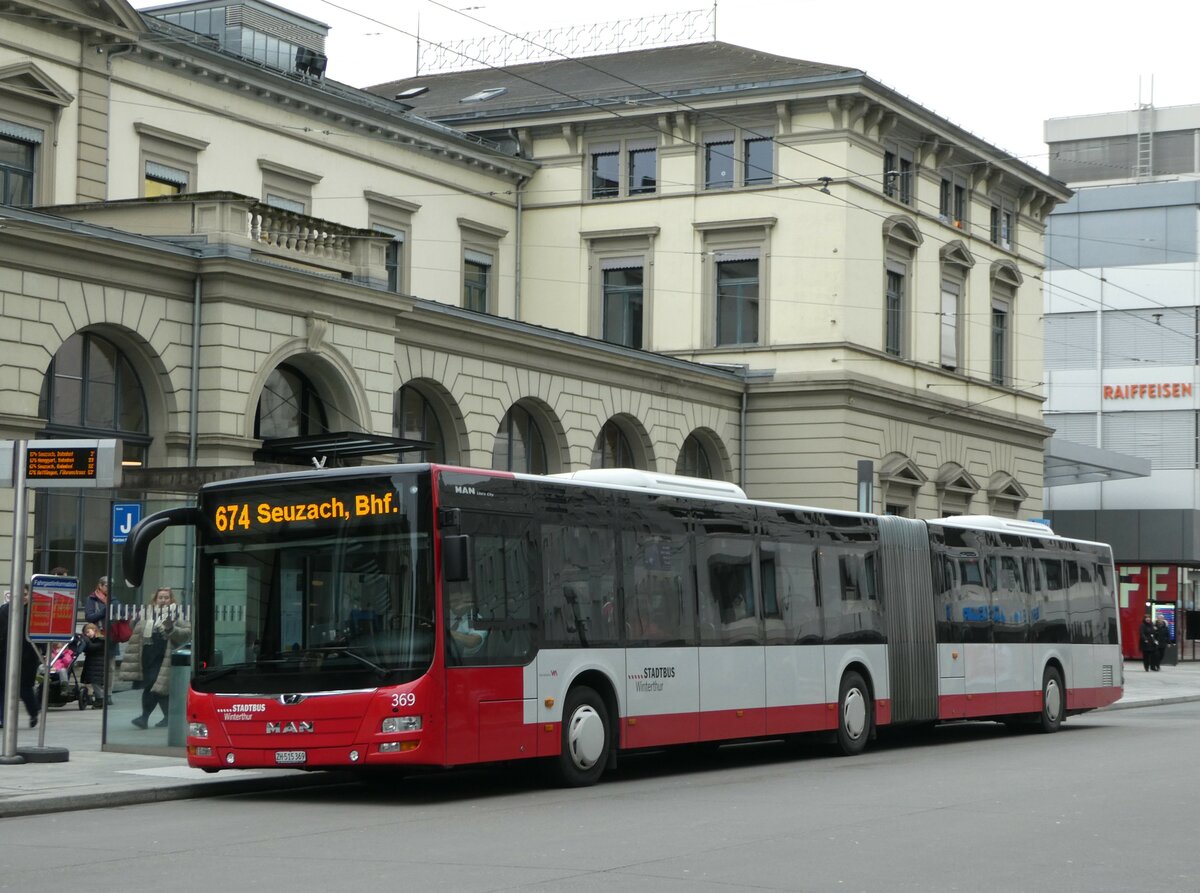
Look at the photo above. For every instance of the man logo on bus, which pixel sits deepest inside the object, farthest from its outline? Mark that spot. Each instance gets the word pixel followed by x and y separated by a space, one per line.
pixel 275 728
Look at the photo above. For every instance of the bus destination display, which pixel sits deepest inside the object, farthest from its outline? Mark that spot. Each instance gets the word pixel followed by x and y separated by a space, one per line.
pixel 236 516
pixel 61 462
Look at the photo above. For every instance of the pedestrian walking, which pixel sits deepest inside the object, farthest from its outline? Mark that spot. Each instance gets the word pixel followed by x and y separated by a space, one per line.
pixel 27 667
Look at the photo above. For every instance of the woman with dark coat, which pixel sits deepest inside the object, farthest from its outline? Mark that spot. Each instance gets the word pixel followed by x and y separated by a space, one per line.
pixel 1162 634
pixel 1148 640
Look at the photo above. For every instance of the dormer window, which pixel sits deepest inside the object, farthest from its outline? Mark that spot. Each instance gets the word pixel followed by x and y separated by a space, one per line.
pixel 483 95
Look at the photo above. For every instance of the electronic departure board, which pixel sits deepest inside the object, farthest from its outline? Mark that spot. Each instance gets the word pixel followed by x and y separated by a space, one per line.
pixel 63 463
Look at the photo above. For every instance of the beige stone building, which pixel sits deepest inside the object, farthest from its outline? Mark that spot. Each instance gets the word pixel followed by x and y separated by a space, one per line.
pixel 720 263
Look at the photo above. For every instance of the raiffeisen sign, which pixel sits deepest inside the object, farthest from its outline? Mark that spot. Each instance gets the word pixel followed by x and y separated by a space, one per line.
pixel 1159 390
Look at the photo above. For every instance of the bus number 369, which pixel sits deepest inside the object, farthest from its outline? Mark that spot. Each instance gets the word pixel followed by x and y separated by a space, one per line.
pixel 404 699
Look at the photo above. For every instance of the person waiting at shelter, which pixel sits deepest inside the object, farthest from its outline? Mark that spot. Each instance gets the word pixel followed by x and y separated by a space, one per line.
pixel 1148 641
pixel 145 663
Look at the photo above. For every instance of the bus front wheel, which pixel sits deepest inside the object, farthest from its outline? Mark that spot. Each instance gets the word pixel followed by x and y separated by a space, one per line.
pixel 585 739
pixel 854 715
pixel 1054 700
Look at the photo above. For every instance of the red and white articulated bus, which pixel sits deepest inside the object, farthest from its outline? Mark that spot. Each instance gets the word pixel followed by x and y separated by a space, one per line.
pixel 425 615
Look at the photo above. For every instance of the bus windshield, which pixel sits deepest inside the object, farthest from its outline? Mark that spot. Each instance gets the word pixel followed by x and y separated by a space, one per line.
pixel 321 586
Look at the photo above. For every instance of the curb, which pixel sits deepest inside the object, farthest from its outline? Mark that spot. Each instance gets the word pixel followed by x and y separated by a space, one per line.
pixel 1153 702
pixel 40 805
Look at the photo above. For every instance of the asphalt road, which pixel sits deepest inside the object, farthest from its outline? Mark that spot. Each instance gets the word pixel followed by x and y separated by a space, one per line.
pixel 1105 805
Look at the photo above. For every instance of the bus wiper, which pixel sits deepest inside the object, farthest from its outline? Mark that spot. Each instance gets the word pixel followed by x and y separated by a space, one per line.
pixel 218 672
pixel 333 650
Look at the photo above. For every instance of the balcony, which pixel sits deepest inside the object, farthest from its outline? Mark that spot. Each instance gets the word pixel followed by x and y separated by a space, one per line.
pixel 249 227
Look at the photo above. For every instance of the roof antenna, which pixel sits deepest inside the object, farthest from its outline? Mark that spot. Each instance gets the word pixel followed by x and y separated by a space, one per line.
pixel 320 463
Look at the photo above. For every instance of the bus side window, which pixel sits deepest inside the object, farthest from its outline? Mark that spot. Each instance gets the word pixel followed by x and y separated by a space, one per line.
pixel 579 565
pixel 500 588
pixel 658 578
pixel 727 611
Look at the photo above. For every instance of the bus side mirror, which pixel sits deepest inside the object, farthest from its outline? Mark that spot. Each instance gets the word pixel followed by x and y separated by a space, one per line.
pixel 456 558
pixel 133 559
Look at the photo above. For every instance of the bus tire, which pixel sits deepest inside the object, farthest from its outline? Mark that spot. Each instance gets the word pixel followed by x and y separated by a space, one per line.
pixel 586 739
pixel 854 715
pixel 1054 700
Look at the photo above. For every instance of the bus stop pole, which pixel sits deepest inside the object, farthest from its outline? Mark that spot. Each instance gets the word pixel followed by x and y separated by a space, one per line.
pixel 16 610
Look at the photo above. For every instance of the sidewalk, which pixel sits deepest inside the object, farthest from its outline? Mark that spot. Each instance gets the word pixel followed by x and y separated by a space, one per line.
pixel 91 778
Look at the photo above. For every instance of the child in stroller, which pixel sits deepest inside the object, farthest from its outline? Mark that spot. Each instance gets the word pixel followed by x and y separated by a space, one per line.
pixel 64 687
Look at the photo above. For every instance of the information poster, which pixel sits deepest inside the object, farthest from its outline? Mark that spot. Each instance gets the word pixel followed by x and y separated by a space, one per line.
pixel 51 615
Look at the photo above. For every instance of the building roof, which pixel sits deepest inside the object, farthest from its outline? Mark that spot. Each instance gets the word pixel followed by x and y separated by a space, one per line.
pixel 695 69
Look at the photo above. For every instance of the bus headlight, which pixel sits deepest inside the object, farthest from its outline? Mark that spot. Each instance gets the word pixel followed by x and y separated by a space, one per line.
pixel 197 730
pixel 394 724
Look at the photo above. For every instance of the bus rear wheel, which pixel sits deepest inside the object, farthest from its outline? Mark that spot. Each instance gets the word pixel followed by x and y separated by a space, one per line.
pixel 854 715
pixel 1054 700
pixel 585 739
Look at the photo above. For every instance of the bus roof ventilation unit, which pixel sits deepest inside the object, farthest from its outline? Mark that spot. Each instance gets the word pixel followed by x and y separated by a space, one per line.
pixel 991 522
pixel 648 480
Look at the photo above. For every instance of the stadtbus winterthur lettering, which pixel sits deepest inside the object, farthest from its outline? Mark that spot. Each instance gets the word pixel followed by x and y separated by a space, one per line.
pixel 256 515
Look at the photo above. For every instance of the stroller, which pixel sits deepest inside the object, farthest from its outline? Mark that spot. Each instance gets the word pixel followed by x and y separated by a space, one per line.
pixel 64 678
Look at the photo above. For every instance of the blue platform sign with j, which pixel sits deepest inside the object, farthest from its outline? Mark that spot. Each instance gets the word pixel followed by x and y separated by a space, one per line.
pixel 125 518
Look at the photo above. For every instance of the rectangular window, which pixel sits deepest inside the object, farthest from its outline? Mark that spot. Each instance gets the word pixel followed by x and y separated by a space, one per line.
pixel 894 313
pixel 898 170
pixel 643 175
pixel 738 158
pixel 949 325
pixel 394 263
pixel 718 162
pixel 622 297
pixel 1002 226
pixel 16 168
pixel 162 179
pixel 906 180
pixel 606 173
pixel 477 270
pixel 1000 339
pixel 952 202
pixel 391 218
pixel 737 297
pixel 286 187
pixel 758 152
pixel 284 203
pixel 627 167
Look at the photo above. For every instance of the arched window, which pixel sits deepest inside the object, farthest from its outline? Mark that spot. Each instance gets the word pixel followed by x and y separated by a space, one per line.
pixel 413 417
pixel 613 449
pixel 289 406
pixel 519 443
pixel 693 459
pixel 90 391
